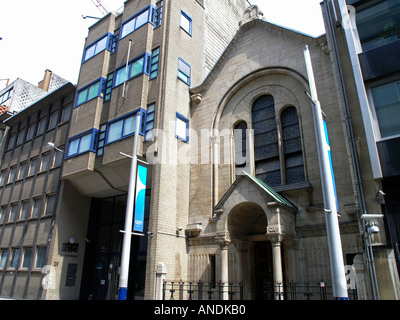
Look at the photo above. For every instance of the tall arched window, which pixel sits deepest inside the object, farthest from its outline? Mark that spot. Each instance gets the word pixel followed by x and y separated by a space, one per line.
pixel 266 146
pixel 239 133
pixel 294 167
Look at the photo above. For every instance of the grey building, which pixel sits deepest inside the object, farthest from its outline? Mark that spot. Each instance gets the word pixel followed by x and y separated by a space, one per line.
pixel 29 190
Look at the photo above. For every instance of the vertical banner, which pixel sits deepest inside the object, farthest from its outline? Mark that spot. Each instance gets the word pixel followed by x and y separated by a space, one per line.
pixel 140 199
pixel 330 162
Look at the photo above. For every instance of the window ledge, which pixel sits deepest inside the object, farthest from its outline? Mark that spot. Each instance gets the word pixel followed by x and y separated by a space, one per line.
pixel 294 186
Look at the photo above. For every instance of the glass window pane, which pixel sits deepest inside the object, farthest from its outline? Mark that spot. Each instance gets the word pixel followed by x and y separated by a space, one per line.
pixel 82 96
pixel 94 90
pixel 181 128
pixel 184 68
pixel 15 257
pixel 387 105
pixel 90 52
pixel 85 144
pixel 50 202
pixel 40 257
pixel 3 260
pixel 22 170
pixel 37 208
pixel 45 163
pixel 13 212
pixel 142 19
pixel 24 210
pixel 115 131
pixel 136 68
pixel 101 45
pixel 33 165
pixel 26 261
pixel 128 27
pixel 120 77
pixel 73 147
pixel 31 132
pixel 129 125
pixel 185 23
pixel 53 120
pixel 41 126
pixel 378 24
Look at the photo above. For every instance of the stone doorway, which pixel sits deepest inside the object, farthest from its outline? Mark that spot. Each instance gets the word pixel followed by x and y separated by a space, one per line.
pixel 263 268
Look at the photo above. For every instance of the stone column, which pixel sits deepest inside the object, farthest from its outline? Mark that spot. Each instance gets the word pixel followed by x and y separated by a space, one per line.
pixel 161 274
pixel 276 240
pixel 224 242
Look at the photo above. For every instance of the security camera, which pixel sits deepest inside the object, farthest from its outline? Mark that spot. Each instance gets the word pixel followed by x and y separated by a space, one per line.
pixel 374 229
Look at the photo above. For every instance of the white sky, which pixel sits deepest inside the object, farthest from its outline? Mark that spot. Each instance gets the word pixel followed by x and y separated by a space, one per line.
pixel 49 34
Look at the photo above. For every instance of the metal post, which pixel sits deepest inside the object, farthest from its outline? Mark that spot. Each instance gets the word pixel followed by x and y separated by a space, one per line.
pixel 126 68
pixel 329 194
pixel 130 204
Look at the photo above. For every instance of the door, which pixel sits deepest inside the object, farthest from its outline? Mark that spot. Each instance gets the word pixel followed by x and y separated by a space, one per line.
pixel 263 270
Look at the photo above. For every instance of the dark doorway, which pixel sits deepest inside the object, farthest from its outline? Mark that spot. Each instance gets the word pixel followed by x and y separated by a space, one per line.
pixel 100 277
pixel 263 269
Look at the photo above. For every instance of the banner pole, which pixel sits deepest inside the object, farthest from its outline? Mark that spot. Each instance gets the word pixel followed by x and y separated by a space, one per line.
pixel 339 283
pixel 130 204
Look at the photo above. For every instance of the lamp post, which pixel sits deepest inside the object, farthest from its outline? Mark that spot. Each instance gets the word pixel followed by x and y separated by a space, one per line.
pixel 339 283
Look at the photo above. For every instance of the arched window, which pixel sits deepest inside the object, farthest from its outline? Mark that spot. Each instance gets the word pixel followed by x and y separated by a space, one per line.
pixel 266 146
pixel 294 167
pixel 239 133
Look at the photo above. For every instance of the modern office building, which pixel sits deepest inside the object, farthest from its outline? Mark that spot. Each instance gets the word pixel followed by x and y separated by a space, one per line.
pixel 142 60
pixel 29 190
pixel 363 37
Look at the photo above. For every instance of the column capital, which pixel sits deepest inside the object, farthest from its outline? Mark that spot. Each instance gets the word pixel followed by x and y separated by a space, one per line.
pixel 223 239
pixel 276 234
pixel 276 239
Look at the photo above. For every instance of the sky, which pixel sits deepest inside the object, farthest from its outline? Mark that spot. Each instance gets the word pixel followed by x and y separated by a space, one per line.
pixel 50 34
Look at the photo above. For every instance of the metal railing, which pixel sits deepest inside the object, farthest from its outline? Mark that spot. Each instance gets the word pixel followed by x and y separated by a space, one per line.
pixel 302 290
pixel 180 290
pixel 291 290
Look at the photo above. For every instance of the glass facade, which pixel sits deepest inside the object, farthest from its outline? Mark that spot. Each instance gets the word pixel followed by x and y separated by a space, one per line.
pixel 379 24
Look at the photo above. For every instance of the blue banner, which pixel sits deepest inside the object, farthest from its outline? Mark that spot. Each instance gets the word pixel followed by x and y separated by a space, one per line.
pixel 140 199
pixel 330 161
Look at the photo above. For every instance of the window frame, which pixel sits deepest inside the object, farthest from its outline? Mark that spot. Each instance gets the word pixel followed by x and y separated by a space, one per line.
pixel 187 78
pixel 12 174
pixel 184 15
pixel 146 137
pixel 45 156
pixel 153 64
pixel 133 19
pixel 87 88
pixel 123 118
pixel 185 120
pixel 375 120
pixel 4 258
pixel 24 250
pixel 33 160
pixel 22 174
pixel 145 70
pixel 6 95
pixel 37 251
pixel 95 44
pixel 40 212
pixel 15 259
pixel 93 132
